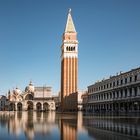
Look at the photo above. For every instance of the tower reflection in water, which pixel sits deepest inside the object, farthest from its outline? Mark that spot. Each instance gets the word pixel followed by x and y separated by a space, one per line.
pixel 50 125
pixel 69 128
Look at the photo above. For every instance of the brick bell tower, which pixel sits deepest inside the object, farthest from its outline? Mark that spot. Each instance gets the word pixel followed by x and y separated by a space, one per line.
pixel 69 63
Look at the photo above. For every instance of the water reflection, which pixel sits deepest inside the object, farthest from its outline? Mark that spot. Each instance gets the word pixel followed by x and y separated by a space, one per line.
pixel 51 125
pixel 109 128
pixel 68 129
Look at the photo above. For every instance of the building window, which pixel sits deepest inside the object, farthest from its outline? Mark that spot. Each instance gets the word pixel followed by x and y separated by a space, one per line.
pixel 113 94
pixel 121 93
pixel 73 49
pixel 113 84
pixel 104 86
pixel 117 94
pixel 117 83
pixel 135 91
pixel 130 91
pixel 125 92
pixel 110 95
pixel 67 48
pixel 130 79
pixel 135 78
pixel 125 80
pixel 102 96
pixel 101 87
pixel 107 95
pixel 107 85
pixel 121 81
pixel 96 89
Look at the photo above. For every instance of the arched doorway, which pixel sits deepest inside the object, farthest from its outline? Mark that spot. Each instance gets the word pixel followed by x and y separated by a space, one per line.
pixel 29 106
pixel 45 106
pixel 19 106
pixel 38 106
pixel 12 107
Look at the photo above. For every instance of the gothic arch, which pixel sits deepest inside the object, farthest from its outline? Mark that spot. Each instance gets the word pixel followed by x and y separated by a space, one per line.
pixel 46 106
pixel 12 107
pixel 19 106
pixel 38 106
pixel 30 106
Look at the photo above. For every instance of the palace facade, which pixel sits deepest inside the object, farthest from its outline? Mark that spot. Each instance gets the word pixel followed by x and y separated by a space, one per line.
pixel 120 93
pixel 33 98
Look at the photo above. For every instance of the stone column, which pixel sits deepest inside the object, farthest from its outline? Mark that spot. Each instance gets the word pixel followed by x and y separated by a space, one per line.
pixel 15 106
pixel 138 90
pixel 128 93
pixel 119 94
pixel 133 94
pixel 34 106
pixel 132 106
pixel 24 106
pixel 138 107
pixel 119 107
pixel 42 106
pixel 123 93
pixel 115 94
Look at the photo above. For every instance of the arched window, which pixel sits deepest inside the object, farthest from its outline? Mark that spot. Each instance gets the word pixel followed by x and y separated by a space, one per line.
pixel 29 97
pixel 67 48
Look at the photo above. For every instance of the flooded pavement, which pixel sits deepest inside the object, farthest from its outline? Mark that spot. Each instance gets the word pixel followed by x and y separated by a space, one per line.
pixel 69 126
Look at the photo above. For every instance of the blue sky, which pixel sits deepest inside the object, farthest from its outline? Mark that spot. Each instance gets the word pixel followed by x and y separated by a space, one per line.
pixel 31 36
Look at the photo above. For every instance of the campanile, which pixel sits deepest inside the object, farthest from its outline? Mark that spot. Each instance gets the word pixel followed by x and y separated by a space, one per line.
pixel 69 61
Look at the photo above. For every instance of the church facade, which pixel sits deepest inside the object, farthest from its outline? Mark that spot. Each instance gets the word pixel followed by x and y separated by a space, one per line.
pixel 32 99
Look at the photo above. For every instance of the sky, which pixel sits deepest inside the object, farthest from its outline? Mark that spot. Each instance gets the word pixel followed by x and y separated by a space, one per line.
pixel 31 37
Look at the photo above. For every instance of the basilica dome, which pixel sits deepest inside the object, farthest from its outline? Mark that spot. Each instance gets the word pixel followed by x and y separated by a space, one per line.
pixel 17 91
pixel 30 87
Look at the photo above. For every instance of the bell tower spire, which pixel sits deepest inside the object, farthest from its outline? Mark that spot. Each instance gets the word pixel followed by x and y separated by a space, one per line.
pixel 69 63
pixel 69 25
pixel 70 10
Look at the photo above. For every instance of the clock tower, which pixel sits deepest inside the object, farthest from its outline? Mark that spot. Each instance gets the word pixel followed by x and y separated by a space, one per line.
pixel 69 62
